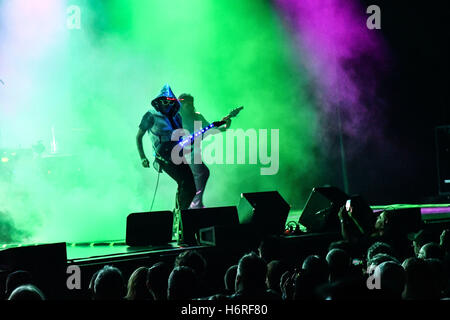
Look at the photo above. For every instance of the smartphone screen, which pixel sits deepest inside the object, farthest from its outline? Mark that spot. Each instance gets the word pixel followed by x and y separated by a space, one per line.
pixel 348 205
pixel 357 262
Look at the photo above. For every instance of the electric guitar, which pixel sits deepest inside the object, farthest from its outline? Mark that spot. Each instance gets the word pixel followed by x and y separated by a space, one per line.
pixel 178 147
pixel 216 124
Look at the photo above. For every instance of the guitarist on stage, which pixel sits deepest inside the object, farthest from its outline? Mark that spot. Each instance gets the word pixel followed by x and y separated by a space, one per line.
pixel 160 123
pixel 199 170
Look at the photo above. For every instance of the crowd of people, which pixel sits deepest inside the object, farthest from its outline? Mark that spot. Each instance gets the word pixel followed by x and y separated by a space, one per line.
pixel 382 272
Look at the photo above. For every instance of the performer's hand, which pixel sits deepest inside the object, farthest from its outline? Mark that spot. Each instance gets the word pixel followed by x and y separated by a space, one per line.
pixel 145 163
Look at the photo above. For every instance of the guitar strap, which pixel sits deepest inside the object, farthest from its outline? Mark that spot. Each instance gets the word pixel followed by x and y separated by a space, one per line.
pixel 157 154
pixel 173 124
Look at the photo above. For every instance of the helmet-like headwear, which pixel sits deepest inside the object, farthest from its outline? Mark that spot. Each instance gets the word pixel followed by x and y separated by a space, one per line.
pixel 166 94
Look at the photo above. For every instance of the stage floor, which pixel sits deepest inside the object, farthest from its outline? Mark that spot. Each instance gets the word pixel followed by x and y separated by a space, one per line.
pixel 79 252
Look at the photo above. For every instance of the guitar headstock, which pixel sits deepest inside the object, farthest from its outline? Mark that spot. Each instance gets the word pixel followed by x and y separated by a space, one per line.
pixel 234 112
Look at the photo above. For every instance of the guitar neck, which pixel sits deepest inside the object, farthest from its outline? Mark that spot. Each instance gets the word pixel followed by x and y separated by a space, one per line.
pixel 192 137
pixel 215 124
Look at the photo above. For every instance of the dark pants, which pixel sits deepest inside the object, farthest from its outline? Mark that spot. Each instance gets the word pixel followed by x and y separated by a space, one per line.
pixel 182 174
pixel 201 175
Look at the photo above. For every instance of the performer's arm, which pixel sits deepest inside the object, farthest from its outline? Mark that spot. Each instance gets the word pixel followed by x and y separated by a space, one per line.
pixel 146 123
pixel 349 232
pixel 140 147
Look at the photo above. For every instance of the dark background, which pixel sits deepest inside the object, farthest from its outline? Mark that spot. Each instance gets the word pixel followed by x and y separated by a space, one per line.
pixel 416 95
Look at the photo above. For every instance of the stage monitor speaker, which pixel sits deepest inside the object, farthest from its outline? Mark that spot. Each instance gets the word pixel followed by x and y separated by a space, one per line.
pixel 234 237
pixel 266 211
pixel 47 264
pixel 320 211
pixel 192 220
pixel 443 158
pixel 406 220
pixel 149 228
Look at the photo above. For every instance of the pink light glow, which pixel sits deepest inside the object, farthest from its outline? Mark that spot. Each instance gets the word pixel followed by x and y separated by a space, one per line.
pixel 333 41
